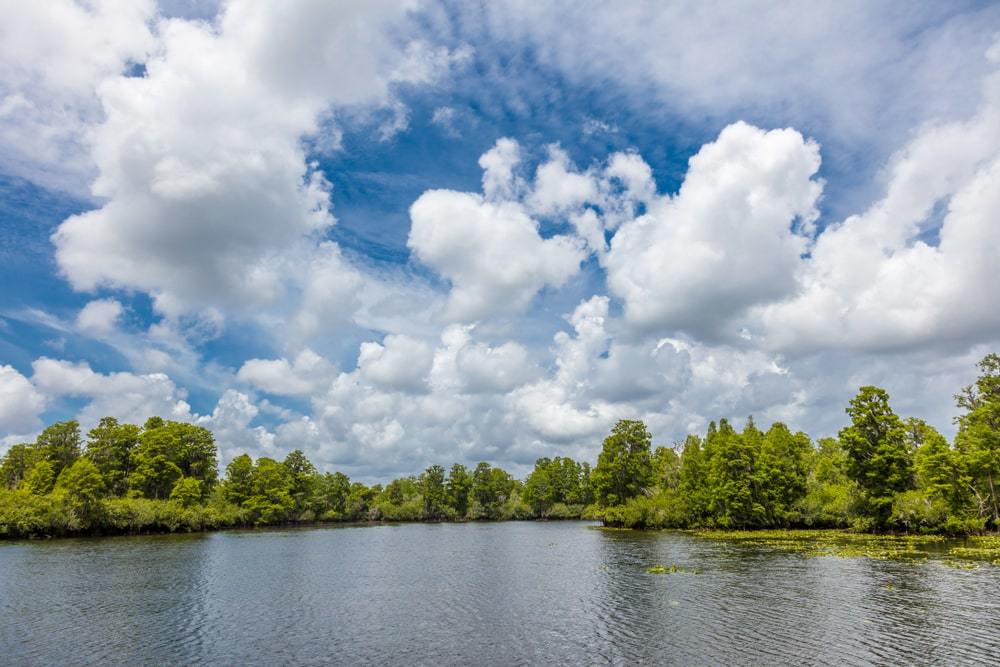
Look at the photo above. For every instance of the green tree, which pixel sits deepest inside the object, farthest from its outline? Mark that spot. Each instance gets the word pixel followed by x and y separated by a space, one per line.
pixel 61 444
pixel 732 476
pixel 16 463
pixel 939 468
pixel 170 450
pixel 187 491
pixel 624 467
pixel 538 490
pixel 83 486
pixel 110 446
pixel 331 495
pixel 271 499
pixel 40 479
pixel 830 493
pixel 304 478
pixel 782 473
pixel 978 438
pixel 491 487
pixel 692 479
pixel 154 476
pixel 666 468
pixel 878 456
pixel 238 485
pixel 459 487
pixel 434 492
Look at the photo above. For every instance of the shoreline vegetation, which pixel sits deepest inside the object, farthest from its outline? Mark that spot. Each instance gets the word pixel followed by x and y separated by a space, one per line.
pixel 882 475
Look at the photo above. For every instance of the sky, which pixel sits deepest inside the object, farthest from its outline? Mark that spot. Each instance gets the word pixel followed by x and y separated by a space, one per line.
pixel 392 234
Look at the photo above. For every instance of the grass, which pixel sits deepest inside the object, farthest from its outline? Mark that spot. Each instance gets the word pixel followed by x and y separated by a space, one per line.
pixel 965 553
pixel 672 569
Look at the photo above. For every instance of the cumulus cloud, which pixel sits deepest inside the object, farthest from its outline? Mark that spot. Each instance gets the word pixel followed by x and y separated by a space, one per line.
pixel 126 396
pixel 399 362
pixel 306 374
pixel 731 238
pixel 491 251
pixel 727 298
pixel 210 201
pixel 230 423
pixel 99 317
pixel 21 404
pixel 52 56
pixel 881 279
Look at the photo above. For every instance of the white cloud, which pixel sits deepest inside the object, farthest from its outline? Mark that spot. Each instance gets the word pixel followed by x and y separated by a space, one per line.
pixel 21 404
pixel 863 72
pixel 52 55
pixel 498 164
pixel 489 248
pixel 99 317
pixel 126 396
pixel 309 373
pixel 399 362
pixel 210 200
pixel 731 238
pixel 558 188
pixel 878 280
pixel 230 424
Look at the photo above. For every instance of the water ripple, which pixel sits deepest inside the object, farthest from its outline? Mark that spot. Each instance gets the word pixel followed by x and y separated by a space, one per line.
pixel 510 594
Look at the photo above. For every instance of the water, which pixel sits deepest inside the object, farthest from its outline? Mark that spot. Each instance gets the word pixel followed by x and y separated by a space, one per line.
pixel 510 593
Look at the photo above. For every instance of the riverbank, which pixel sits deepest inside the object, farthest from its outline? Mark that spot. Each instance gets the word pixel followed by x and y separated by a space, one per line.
pixel 46 518
pixel 25 515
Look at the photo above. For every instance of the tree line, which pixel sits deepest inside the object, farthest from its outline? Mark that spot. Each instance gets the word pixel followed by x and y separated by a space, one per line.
pixel 882 472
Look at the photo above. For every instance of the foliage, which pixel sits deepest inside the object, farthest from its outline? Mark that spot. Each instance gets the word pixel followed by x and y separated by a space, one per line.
pixel 881 473
pixel 624 468
pixel 878 458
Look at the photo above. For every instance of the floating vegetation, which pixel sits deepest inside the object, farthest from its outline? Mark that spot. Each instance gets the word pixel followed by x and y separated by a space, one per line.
pixel 672 569
pixel 966 553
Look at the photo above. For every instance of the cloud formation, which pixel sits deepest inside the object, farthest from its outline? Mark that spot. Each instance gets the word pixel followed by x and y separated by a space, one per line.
pixel 572 287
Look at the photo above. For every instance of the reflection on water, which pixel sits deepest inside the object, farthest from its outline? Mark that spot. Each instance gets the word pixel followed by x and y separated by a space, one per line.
pixel 511 593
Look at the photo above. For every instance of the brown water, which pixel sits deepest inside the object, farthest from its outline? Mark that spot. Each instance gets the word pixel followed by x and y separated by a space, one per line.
pixel 508 593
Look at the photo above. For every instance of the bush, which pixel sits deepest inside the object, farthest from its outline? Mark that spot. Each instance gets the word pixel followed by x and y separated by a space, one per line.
pixel 917 512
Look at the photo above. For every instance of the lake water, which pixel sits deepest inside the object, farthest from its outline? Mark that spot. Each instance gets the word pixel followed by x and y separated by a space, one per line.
pixel 505 594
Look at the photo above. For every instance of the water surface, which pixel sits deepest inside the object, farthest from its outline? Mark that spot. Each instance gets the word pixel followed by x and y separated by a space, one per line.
pixel 507 593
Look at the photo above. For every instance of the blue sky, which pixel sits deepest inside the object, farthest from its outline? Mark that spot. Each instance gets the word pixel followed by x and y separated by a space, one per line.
pixel 674 213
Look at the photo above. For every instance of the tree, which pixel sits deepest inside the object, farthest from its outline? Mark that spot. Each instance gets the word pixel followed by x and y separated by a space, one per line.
pixel 829 493
pixel 939 468
pixel 978 438
pixel 155 476
pixel 434 492
pixel 782 473
pixel 187 491
pixel 110 446
pixel 270 499
pixel 538 487
pixel 459 486
pixel 16 463
pixel 878 456
pixel 239 479
pixel 691 480
pixel 40 479
pixel 624 467
pixel 304 478
pixel 61 444
pixel 666 468
pixel 170 450
pixel 731 476
pixel 331 494
pixel 491 487
pixel 83 486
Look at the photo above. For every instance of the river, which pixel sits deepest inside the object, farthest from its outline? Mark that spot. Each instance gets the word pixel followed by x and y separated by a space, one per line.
pixel 504 594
